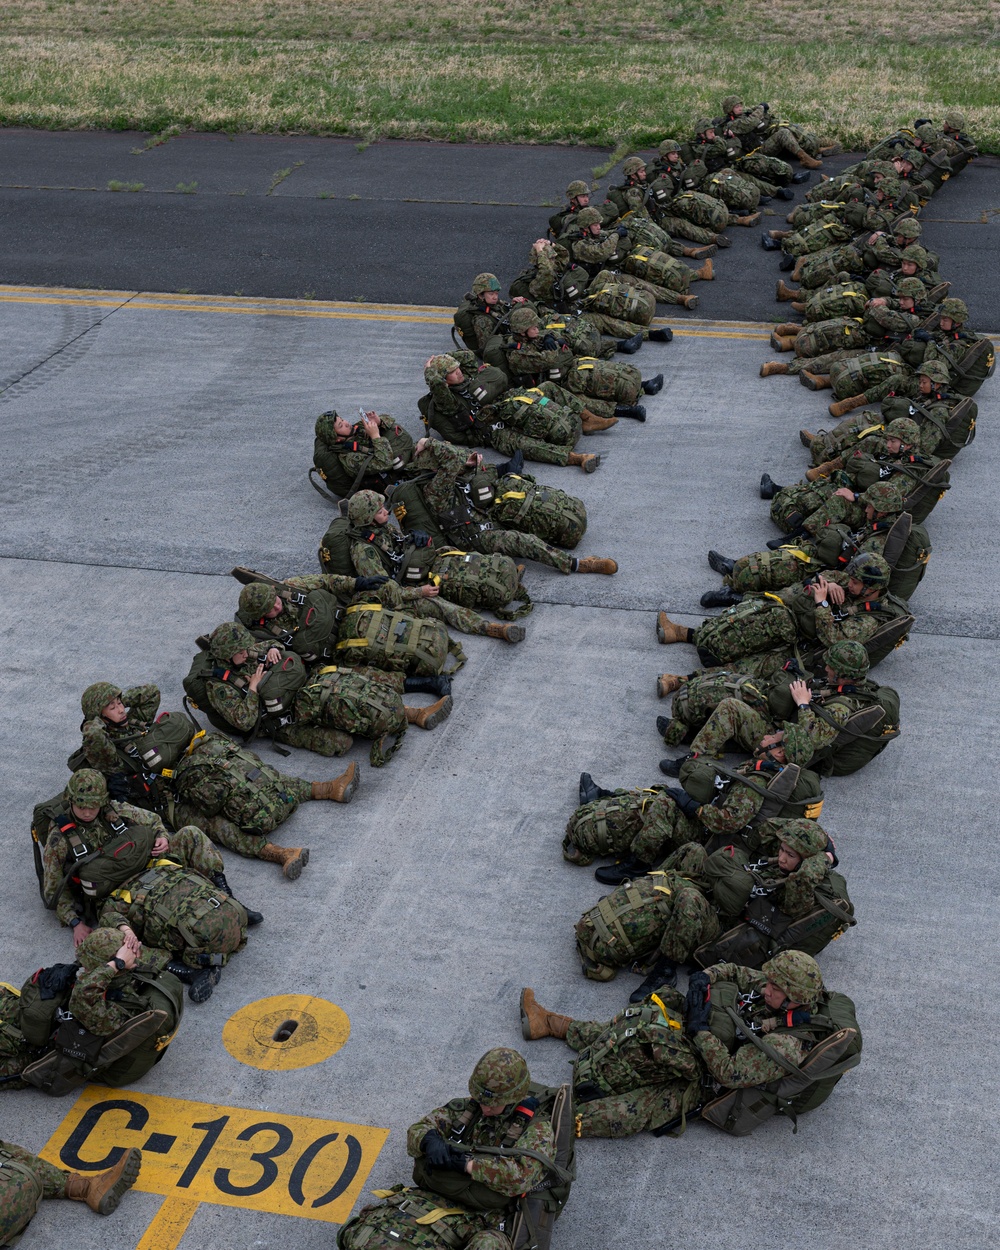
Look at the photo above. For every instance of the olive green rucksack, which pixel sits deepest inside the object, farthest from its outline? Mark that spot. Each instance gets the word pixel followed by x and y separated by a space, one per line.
pixel 867 732
pixel 523 504
pixel 153 749
pixel 789 790
pixel 410 509
pixel 335 549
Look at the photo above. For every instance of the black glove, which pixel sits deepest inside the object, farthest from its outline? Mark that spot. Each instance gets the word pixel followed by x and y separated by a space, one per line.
pixel 922 336
pixel 550 343
pixel 622 231
pixel 420 539
pixel 684 801
pixel 697 1017
pixel 765 107
pixel 698 985
pixel 369 583
pixel 830 849
pixel 439 1153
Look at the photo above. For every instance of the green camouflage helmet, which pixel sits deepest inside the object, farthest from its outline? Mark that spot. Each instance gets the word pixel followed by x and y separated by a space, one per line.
pixel 667 146
pixel 577 187
pixel 926 132
pixel 885 497
pixel 88 788
pixel 891 188
pixel 917 254
pixel 228 638
pixel 956 309
pixel 905 429
pixel 97 697
pixel 908 228
pixel 501 1077
pixel 796 743
pixel 438 367
pixel 363 506
pixel 915 157
pixel 484 282
pixel 256 599
pixel 912 287
pixel 803 836
pixel 523 318
pixel 588 217
pixel 869 569
pixel 731 102
pixel 797 974
pixel 848 659
pixel 703 125
pixel 936 370
pixel 633 165
pixel 954 121
pixel 100 947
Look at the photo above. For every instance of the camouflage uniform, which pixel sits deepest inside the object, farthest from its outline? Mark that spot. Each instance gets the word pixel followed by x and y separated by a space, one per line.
pixel 340 459
pixel 392 1225
pixel 651 269
pixel 15 1053
pixel 24 1181
pixel 286 627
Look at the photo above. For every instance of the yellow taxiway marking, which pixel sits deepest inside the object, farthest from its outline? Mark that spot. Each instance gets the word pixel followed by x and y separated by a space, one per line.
pixel 286 1031
pixel 196 1152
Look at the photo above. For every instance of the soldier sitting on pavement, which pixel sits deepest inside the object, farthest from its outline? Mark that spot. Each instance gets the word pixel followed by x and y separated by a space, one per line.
pixel 370 452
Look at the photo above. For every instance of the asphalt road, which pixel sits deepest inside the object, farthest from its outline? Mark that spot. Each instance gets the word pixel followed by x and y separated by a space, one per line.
pixel 406 222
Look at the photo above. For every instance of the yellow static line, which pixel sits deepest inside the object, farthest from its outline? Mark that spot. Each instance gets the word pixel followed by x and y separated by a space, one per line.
pixel 168 1225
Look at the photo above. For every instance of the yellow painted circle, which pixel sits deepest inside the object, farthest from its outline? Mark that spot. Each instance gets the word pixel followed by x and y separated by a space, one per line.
pixel 314 1030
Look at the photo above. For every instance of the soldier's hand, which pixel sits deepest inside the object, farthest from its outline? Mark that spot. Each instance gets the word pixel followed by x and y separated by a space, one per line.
pixel 474 461
pixel 429 592
pixel 127 955
pixel 371 425
pixel 273 655
pixel 161 846
pixel 684 801
pixel 800 692
pixel 258 676
pixel 81 931
pixel 818 589
pixel 437 1150
pixel 835 593
pixel 622 231
pixel 130 939
pixel 369 583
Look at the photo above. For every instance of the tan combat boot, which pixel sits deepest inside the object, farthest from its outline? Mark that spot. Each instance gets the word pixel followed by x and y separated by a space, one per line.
pixel 667 683
pixel 669 631
pixel 770 367
pixel 687 301
pixel 748 220
pixel 700 253
pixel 782 342
pixel 797 271
pixel 784 293
pixel 431 716
pixel 585 460
pixel 595 564
pixel 798 305
pixel 824 469
pixel 705 274
pixel 806 438
pixel 789 327
pixel 592 422
pixel 829 149
pixel 103 1191
pixel 341 789
pixel 291 859
pixel 779 234
pixel 810 162
pixel 815 381
pixel 536 1022
pixel 841 407
pixel 505 632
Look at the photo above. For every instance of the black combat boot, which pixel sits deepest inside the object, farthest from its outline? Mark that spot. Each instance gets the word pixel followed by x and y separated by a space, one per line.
pixel 514 465
pixel 653 386
pixel 720 564
pixel 622 870
pixel 802 176
pixel 786 263
pixel 767 243
pixel 590 790
pixel 785 193
pixel 635 412
pixel 629 347
pixel 774 543
pixel 768 487
pixel 672 768
pixel 439 685
pixel 220 883
pixel 724 597
pixel 662 724
pixel 200 981
pixel 662 334
pixel 663 972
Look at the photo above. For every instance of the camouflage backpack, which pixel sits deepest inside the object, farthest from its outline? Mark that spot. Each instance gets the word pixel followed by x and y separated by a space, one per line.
pixel 701 209
pixel 221 777
pixel 180 910
pixel 758 623
pixel 358 703
pixel 834 335
pixel 335 549
pixel 535 415
pixel 155 748
pixel 551 514
pixel 658 267
pixel 474 580
pixel 617 299
pixel 841 299
pixel 371 636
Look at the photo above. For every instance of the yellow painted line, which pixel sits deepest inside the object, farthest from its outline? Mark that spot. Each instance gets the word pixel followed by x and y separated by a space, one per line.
pixel 286 1031
pixel 168 1225
pixel 232 1156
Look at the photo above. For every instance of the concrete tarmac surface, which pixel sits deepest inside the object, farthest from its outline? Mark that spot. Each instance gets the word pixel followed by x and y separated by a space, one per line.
pixel 154 441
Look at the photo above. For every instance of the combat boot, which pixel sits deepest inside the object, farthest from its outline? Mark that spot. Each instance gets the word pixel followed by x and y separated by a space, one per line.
pixel 810 162
pixel 622 870
pixel 802 176
pixel 700 253
pixel 219 881
pixel 687 301
pixel 798 306
pixel 724 597
pixel 782 342
pixel 824 469
pixel 666 684
pixel 784 293
pixel 796 267
pixel 829 149
pixel 788 262
pixel 668 631
pixel 663 972
pixel 595 564
pixel 771 367
pixel 653 386
pixel 768 486
pixel 628 347
pixel 634 412
pixel 341 789
pixel 806 439
pixel 201 982
pixel 747 219
pixel 590 790
pixel 592 422
pixel 537 1022
pixel 103 1191
pixel 705 274
pixel 514 465
pixel 439 685
pixel 721 240
pixel 661 334
pixel 789 327
pixel 585 460
pixel 505 632
pixel 672 768
pixel 841 407
pixel 291 859
pixel 767 243
pixel 720 564
pixel 429 717
pixel 815 381
pixel 786 193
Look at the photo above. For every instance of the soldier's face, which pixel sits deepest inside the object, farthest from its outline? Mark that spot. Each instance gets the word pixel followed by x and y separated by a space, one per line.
pixel 926 385
pixel 908 268
pixel 274 610
pixel 855 587
pixel 532 332
pixel 674 158
pixel 341 427
pixel 116 712
pixel 239 657
pixel 738 110
pixel 455 378
pixel 906 302
pixel 869 516
pixel 85 814
pixel 774 997
pixel 788 860
pixel 641 174
pixel 382 516
pixel 893 446
pixel 595 228
pixel 947 325
pixel 491 297
pixel 493 1111
pixel 582 201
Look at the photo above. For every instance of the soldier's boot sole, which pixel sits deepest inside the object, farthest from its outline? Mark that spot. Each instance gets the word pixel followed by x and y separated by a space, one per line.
pixel 203 986
pixel 688 301
pixel 341 789
pixel 103 1192
pixel 772 367
pixel 432 716
pixel 701 253
pixel 815 381
pixel 806 439
pixel 722 240
pixel 719 563
pixel 506 633
pixel 667 683
pixel 782 342
pixel 668 631
pixel 537 1022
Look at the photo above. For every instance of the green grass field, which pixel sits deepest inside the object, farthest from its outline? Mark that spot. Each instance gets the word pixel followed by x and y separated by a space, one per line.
pixel 569 71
